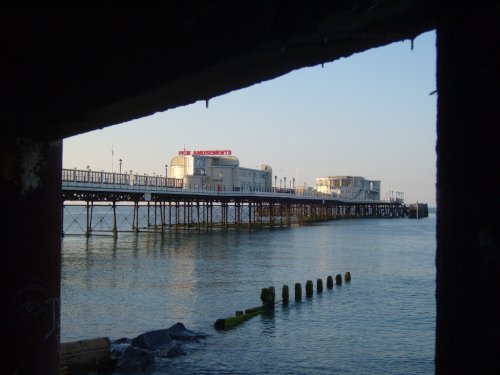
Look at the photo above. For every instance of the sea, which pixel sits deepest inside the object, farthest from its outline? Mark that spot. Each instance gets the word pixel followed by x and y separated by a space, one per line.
pixel 381 322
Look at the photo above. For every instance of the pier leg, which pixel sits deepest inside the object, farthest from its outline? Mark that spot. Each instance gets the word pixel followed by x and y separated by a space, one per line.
pixel 87 217
pixel 90 218
pixel 162 216
pixel 155 210
pixel 136 208
pixel 249 215
pixel 148 219
pixel 198 214
pixel 115 231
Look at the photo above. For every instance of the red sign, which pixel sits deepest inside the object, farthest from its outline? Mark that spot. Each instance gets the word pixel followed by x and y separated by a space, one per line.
pixel 206 152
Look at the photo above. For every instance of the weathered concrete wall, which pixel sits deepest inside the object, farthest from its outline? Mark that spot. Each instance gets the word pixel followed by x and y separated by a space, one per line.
pixel 31 255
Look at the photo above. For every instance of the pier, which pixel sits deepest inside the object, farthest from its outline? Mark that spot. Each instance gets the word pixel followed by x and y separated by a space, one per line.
pixel 103 202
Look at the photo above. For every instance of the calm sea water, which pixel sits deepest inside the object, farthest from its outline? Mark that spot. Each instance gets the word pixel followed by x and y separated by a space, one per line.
pixel 382 322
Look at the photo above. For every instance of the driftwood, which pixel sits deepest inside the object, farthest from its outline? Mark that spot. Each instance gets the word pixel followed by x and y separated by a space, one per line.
pixel 85 355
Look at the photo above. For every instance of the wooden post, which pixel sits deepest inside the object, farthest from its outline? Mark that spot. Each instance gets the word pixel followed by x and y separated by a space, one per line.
pixel 309 288
pixel 298 292
pixel 268 297
pixel 319 285
pixel 338 279
pixel 329 282
pixel 285 295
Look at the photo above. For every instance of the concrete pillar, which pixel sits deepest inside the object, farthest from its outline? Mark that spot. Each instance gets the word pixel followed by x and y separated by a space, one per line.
pixel 30 181
pixel 468 83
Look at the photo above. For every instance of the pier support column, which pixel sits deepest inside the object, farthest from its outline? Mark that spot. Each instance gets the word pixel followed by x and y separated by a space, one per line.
pixel 30 182
pixel 468 239
pixel 115 228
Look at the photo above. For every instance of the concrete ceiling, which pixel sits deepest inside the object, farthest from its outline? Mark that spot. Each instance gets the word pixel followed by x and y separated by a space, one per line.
pixel 70 69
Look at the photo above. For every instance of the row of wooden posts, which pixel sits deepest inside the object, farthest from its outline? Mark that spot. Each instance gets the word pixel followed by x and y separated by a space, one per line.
pixel 268 298
pixel 95 354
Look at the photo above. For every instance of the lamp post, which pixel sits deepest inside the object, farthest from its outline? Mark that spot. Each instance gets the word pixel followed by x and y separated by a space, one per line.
pixel 166 170
pixel 284 182
pixel 120 161
pixel 275 182
pixel 293 182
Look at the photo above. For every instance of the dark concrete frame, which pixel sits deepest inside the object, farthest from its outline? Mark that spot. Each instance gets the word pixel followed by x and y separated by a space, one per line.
pixel 38 108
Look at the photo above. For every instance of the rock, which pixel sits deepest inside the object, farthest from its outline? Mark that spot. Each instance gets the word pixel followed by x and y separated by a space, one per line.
pixel 134 360
pixel 152 340
pixel 176 351
pixel 179 332
pixel 122 340
pixel 135 355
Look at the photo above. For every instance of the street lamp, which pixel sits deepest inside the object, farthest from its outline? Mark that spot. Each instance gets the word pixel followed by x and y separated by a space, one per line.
pixel 120 160
pixel 275 182
pixel 294 182
pixel 166 170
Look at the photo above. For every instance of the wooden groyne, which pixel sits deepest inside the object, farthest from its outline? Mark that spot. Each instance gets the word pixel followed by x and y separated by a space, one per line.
pixel 268 298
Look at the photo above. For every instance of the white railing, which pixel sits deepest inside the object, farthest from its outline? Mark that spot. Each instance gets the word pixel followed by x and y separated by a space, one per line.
pixel 81 180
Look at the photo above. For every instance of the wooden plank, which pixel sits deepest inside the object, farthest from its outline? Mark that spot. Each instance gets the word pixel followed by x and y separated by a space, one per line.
pixel 90 355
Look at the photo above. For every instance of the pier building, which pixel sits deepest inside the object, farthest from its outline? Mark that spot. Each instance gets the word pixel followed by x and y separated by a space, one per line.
pixel 355 188
pixel 218 170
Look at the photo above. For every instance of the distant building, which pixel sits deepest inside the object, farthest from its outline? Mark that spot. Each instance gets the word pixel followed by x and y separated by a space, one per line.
pixel 349 187
pixel 218 170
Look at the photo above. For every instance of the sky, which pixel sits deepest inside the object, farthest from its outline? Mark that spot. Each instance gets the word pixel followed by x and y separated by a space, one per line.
pixel 371 114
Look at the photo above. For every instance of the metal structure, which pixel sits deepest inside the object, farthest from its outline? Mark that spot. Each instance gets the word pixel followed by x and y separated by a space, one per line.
pixel 159 203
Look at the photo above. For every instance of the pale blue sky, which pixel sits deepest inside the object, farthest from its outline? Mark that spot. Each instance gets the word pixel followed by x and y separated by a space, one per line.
pixel 369 115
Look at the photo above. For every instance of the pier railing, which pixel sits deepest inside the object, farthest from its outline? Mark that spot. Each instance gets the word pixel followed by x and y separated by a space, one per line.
pixel 93 181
